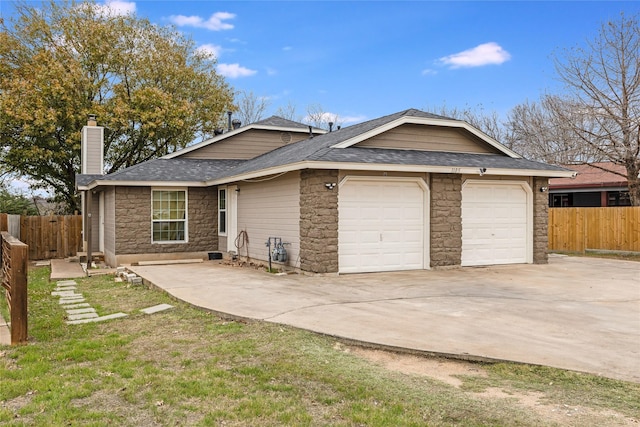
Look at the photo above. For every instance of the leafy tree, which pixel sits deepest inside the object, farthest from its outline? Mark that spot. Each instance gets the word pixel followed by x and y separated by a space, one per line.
pixel 602 106
pixel 59 62
pixel 14 203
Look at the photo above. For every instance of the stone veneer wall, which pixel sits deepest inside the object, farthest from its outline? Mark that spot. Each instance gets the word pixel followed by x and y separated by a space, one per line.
pixel 446 220
pixel 318 221
pixel 133 222
pixel 540 221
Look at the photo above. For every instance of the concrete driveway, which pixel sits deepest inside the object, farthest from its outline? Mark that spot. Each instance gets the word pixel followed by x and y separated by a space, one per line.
pixel 580 314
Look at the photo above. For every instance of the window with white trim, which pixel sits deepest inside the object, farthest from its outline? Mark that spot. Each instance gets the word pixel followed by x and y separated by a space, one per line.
pixel 222 211
pixel 168 216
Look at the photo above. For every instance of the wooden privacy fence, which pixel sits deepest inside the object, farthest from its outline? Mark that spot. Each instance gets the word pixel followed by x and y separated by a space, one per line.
pixel 49 236
pixel 580 229
pixel 15 259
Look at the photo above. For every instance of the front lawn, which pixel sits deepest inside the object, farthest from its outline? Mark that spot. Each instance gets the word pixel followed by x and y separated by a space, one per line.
pixel 185 366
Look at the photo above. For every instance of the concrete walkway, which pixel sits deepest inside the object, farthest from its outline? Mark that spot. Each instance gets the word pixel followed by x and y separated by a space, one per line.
pixel 575 313
pixel 63 269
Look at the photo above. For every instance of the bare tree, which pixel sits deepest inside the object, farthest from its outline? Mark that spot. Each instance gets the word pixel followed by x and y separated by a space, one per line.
pixel 536 131
pixel 318 117
pixel 488 123
pixel 288 112
pixel 251 107
pixel 603 107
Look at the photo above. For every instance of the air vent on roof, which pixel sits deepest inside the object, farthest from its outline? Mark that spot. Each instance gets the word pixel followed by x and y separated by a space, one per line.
pixel 285 137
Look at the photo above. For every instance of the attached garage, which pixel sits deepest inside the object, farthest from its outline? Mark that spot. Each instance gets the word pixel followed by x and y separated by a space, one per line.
pixel 382 224
pixel 496 222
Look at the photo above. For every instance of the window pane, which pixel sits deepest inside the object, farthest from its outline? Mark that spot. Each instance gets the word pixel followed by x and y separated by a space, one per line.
pixel 168 205
pixel 223 222
pixel 166 231
pixel 222 202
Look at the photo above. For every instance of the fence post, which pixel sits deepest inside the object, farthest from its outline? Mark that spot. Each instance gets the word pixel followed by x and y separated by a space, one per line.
pixel 19 265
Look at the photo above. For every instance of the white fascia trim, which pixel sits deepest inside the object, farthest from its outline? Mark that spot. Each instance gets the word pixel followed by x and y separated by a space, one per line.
pixel 231 133
pixel 111 183
pixel 428 121
pixel 387 168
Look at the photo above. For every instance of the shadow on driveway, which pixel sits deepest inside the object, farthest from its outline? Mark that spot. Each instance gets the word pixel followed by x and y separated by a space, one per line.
pixel 580 314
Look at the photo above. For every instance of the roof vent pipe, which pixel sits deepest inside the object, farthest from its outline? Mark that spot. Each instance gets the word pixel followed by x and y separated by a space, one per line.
pixel 338 127
pixel 236 123
pixel 310 132
pixel 330 126
pixel 229 115
pixel 92 120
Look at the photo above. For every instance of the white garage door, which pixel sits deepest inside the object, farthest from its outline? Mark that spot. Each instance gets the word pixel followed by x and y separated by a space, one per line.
pixel 495 224
pixel 381 225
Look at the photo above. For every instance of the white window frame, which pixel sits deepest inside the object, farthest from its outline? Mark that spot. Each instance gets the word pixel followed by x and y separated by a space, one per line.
pixel 225 210
pixel 185 220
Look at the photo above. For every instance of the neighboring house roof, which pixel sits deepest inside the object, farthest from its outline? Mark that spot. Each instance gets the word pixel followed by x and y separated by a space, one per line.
pixel 271 123
pixel 592 175
pixel 332 151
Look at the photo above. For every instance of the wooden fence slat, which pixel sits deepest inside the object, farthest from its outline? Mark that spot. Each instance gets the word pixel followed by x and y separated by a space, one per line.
pixel 579 229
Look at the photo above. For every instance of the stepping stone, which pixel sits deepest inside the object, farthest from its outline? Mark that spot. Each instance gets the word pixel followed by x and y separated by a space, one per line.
pixel 83 316
pixel 156 308
pixel 81 311
pixel 42 263
pixel 97 319
pixel 65 301
pixel 65 288
pixel 66 283
pixel 64 293
pixel 81 305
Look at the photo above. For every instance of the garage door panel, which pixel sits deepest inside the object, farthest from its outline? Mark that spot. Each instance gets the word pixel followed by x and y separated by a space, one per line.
pixel 494 223
pixel 381 225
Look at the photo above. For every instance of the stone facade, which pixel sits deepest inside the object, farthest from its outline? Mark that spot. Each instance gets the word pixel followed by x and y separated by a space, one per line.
pixel 318 221
pixel 446 220
pixel 133 224
pixel 540 221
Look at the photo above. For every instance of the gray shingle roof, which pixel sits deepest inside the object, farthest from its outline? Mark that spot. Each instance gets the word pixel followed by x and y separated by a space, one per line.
pixel 316 149
pixel 177 170
pixel 277 121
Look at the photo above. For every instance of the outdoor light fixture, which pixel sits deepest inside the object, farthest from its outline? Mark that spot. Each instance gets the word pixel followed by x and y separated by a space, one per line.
pixel 482 171
pixel 544 189
pixel 330 185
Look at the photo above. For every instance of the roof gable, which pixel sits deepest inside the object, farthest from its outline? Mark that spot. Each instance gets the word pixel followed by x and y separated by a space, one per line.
pixel 417 117
pixel 275 124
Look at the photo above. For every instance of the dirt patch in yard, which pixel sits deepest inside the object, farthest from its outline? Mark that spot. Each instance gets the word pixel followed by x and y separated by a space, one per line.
pixel 453 372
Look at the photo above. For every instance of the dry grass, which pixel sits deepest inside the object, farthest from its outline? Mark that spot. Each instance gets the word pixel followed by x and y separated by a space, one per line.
pixel 185 366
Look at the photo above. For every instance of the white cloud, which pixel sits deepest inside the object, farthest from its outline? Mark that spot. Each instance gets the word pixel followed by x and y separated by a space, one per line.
pixel 352 119
pixel 484 54
pixel 117 7
pixel 271 71
pixel 214 23
pixel 234 71
pixel 429 72
pixel 287 48
pixel 211 49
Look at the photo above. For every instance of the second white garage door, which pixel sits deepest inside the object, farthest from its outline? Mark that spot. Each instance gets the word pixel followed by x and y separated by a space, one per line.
pixel 496 225
pixel 381 225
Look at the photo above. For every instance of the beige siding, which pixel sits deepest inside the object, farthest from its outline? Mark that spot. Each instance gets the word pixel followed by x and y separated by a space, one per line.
pixel 110 225
pixel 429 138
pixel 92 147
pixel 246 145
pixel 270 209
pixel 95 223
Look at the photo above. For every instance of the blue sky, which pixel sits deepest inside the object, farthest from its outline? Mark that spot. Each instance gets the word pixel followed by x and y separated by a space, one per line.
pixel 364 59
